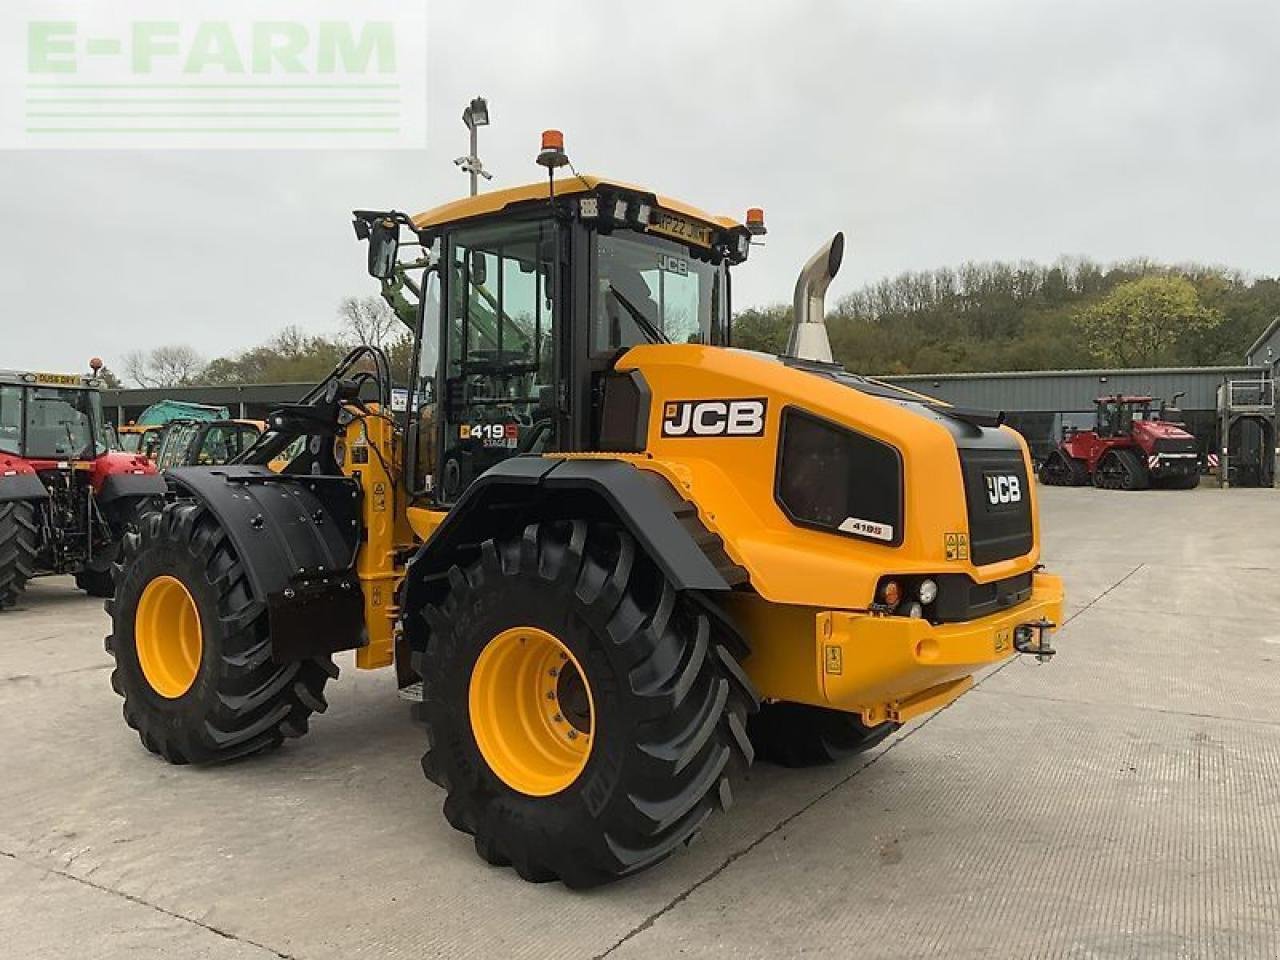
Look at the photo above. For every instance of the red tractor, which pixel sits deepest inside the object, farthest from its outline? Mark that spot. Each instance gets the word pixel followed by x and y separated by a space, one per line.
pixel 1131 447
pixel 66 498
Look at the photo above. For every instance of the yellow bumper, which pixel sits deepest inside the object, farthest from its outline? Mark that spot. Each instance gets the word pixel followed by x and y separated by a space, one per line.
pixel 884 668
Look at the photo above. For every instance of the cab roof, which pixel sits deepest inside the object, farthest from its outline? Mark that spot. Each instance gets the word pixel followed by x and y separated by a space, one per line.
pixel 495 201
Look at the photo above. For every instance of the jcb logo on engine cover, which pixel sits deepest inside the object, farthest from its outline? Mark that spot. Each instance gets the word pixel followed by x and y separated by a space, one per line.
pixel 713 418
pixel 1003 488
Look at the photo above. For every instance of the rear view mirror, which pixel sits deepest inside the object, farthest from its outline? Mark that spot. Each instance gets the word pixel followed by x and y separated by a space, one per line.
pixel 384 245
pixel 479 269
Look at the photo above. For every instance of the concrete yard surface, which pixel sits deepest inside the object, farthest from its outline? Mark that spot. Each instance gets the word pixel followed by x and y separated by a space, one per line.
pixel 1122 800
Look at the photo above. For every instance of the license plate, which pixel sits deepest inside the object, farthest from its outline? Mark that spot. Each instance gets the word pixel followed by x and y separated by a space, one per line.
pixel 678 228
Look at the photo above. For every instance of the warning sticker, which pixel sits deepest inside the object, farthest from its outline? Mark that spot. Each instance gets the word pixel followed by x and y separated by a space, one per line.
pixel 1004 641
pixel 834 657
pixel 957 545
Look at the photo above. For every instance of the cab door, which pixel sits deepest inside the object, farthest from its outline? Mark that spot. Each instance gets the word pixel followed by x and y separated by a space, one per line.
pixel 501 369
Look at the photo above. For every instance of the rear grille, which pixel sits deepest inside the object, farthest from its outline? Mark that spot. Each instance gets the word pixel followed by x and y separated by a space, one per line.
pixel 998 498
pixel 960 599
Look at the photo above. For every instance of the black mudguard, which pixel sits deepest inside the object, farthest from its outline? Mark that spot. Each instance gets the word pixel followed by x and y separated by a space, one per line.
pixel 120 485
pixel 522 490
pixel 297 538
pixel 22 486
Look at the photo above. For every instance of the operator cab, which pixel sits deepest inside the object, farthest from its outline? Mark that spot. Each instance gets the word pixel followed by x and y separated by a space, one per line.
pixel 528 299
pixel 1116 415
pixel 51 416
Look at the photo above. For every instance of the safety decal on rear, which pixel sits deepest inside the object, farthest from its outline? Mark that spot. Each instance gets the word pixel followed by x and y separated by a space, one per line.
pixel 956 545
pixel 714 418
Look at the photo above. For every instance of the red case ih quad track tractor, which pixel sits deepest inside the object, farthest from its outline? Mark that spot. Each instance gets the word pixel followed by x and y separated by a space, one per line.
pixel 66 498
pixel 1131 447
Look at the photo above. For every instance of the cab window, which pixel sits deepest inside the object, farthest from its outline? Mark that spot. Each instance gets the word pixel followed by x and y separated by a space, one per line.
pixel 10 419
pixel 224 442
pixel 174 446
pixel 500 363
pixel 649 289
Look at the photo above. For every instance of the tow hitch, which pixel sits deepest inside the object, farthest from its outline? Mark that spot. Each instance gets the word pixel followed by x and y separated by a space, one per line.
pixel 1033 638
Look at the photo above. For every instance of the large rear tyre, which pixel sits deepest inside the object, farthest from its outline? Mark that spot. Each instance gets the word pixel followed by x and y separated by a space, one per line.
pixel 584 716
pixel 18 540
pixel 799 735
pixel 192 649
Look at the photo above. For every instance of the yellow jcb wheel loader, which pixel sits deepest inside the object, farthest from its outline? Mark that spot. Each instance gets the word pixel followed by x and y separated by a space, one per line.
pixel 613 557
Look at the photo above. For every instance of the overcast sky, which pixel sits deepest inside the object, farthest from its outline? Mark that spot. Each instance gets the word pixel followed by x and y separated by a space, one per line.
pixel 931 131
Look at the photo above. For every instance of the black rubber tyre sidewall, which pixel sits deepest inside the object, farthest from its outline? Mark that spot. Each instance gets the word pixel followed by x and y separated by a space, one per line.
pixel 562 814
pixel 177 714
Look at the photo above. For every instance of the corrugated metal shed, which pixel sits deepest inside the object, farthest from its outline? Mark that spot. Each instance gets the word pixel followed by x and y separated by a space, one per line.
pixel 1073 391
pixel 1265 351
pixel 249 400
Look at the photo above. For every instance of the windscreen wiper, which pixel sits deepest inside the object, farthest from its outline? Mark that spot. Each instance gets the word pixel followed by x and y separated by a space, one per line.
pixel 644 323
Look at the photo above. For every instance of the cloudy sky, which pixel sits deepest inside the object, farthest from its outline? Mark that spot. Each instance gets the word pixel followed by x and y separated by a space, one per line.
pixel 931 131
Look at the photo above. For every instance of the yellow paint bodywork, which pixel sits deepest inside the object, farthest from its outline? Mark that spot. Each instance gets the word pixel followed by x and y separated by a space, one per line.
pixel 495 201
pixel 371 455
pixel 885 668
pixel 731 479
pixel 807 621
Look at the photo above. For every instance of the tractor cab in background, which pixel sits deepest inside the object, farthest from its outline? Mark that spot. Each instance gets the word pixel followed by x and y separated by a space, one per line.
pixel 67 496
pixel 1132 446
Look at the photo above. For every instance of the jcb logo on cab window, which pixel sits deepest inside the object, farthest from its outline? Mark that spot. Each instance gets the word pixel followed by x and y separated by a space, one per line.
pixel 713 418
pixel 1003 488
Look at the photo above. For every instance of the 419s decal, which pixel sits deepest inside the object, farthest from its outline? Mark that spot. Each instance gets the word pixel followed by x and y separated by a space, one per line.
pixel 714 418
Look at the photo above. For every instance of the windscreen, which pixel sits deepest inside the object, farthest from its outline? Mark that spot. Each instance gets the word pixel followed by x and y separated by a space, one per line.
pixel 650 289
pixel 63 423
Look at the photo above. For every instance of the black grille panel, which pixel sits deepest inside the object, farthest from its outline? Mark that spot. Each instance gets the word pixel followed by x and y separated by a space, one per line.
pixel 1176 445
pixel 998 497
pixel 960 599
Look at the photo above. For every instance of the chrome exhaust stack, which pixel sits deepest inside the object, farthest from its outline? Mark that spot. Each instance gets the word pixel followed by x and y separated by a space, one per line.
pixel 809 340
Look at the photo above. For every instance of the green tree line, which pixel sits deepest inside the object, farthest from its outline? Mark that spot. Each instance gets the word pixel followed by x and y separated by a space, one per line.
pixel 979 316
pixel 1028 316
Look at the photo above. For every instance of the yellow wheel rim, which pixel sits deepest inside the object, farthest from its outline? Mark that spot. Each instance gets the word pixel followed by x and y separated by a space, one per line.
pixel 166 631
pixel 531 711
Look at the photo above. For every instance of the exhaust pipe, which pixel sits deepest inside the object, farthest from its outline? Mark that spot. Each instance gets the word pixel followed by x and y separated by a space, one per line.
pixel 809 340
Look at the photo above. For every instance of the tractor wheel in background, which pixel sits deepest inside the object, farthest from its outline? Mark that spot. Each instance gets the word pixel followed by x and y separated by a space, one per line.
pixel 799 735
pixel 584 717
pixel 18 540
pixel 1121 470
pixel 1060 470
pixel 96 583
pixel 192 650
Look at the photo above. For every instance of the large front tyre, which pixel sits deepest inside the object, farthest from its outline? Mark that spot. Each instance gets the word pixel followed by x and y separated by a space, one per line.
pixel 584 716
pixel 192 649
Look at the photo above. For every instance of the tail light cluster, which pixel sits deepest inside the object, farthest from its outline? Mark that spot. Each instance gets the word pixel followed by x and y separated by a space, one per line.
pixel 906 596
